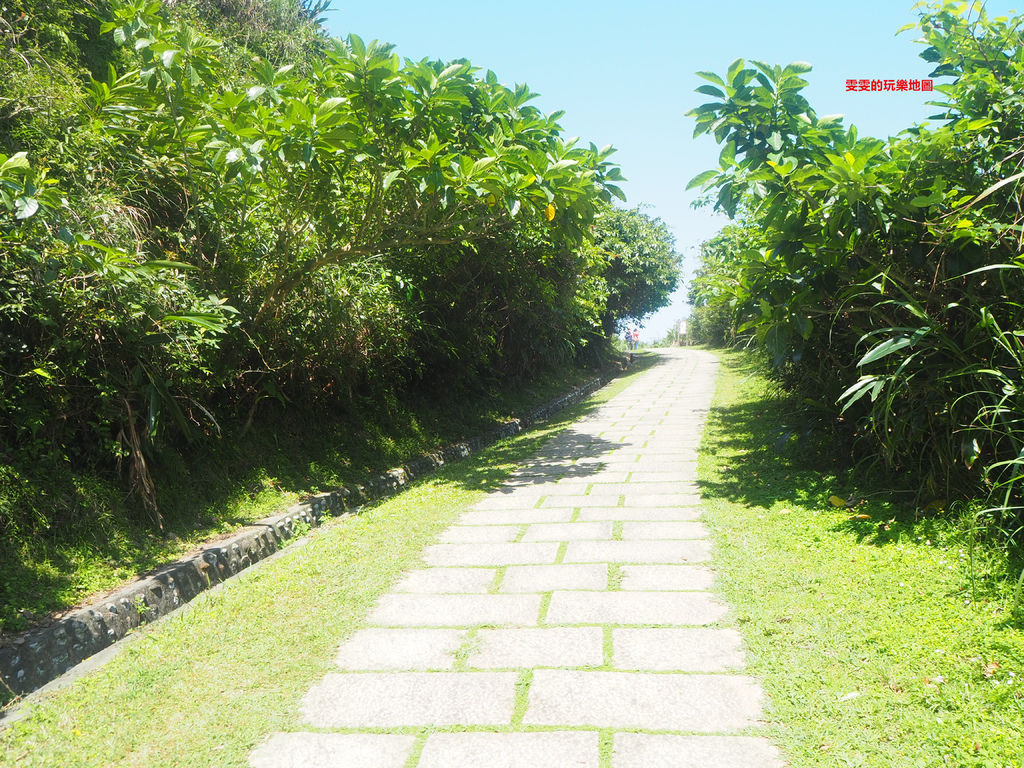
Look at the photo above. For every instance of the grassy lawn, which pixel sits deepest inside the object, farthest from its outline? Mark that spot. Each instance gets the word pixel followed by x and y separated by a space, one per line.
pixel 876 645
pixel 205 685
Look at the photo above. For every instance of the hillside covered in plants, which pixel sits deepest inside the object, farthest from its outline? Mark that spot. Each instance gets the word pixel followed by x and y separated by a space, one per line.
pixel 212 213
pixel 884 279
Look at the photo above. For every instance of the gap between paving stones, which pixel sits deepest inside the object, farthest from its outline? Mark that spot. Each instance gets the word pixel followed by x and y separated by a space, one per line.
pixel 32 659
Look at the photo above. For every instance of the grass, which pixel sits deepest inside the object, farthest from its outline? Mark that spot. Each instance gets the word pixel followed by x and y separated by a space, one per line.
pixel 875 641
pixel 79 536
pixel 205 685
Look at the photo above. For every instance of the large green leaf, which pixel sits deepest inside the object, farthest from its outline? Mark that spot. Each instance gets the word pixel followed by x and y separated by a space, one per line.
pixel 702 178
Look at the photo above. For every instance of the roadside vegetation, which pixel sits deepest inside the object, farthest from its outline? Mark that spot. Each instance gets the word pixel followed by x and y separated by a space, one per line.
pixel 881 280
pixel 229 484
pixel 883 637
pixel 224 235
pixel 208 683
pixel 862 467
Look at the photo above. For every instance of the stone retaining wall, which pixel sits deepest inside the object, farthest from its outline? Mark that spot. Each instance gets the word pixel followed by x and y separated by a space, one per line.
pixel 30 660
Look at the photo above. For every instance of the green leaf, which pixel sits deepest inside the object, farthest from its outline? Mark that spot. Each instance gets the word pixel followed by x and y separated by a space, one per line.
pixel 986 268
pixel 616 191
pixel 330 105
pixel 168 57
pixel 255 92
pixel 389 178
pixel 712 77
pixel 996 186
pixel 865 385
pixel 727 157
pixel 25 206
pixel 889 346
pixel 209 321
pixel 19 160
pixel 924 201
pixel 970 451
pixel 158 264
pixel 481 164
pixel 702 178
pixel 734 70
pixel 710 90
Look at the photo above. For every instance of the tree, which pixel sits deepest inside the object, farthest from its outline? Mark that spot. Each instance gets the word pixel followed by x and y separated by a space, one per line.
pixel 641 268
pixel 888 285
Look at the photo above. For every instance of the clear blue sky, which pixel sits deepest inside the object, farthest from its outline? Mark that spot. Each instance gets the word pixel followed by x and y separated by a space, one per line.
pixel 624 74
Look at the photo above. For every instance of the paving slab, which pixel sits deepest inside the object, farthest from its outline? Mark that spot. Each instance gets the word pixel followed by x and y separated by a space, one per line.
pixel 409 610
pixel 377 648
pixel 655 463
pixel 510 501
pixel 546 578
pixel 640 750
pixel 687 475
pixel 490 553
pixel 330 750
pixel 516 516
pixel 612 463
pixel 570 485
pixel 651 455
pixel 695 551
pixel 664 530
pixel 674 608
pixel 541 472
pixel 650 701
pixel 569 531
pixel 634 487
pixel 666 577
pixel 564 749
pixel 672 447
pixel 440 580
pixel 677 649
pixel 596 499
pixel 602 476
pixel 396 699
pixel 541 647
pixel 473 534
pixel 650 514
pixel 642 499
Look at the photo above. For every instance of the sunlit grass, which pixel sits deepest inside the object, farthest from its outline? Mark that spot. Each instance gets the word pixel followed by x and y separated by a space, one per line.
pixel 860 621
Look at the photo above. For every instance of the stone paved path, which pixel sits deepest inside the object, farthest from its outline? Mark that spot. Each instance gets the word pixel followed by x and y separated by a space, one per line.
pixel 564 621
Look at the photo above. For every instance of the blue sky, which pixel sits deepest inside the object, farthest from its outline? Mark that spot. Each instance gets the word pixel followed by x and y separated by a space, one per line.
pixel 624 74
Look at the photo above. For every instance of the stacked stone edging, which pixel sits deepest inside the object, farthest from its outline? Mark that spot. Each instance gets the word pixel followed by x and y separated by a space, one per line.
pixel 33 658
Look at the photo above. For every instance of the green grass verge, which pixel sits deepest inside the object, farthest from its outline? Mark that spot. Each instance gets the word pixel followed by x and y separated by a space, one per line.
pixel 204 686
pixel 84 537
pixel 875 641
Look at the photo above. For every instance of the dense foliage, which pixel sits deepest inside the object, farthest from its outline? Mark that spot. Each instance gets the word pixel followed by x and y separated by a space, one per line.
pixel 884 278
pixel 208 209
